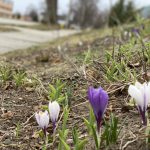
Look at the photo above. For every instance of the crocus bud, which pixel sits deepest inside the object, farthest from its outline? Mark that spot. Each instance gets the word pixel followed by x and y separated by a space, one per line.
pixel 54 110
pixel 98 99
pixel 141 94
pixel 42 119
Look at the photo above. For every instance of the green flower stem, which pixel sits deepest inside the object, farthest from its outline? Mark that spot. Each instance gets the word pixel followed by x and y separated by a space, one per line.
pixel 99 137
pixel 44 147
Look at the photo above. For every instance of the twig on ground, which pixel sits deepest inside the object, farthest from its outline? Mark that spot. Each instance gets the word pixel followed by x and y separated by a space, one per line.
pixel 23 124
pixel 129 142
pixel 120 147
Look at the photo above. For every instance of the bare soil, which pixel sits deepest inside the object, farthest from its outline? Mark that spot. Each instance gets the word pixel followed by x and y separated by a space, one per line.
pixel 18 104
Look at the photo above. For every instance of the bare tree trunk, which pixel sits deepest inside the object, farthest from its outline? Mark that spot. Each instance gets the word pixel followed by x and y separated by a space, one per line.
pixel 52 11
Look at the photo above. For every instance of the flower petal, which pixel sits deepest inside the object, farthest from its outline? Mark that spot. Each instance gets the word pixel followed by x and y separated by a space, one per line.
pixel 37 117
pixel 148 93
pixel 45 119
pixel 94 98
pixel 138 84
pixel 98 99
pixel 42 119
pixel 136 94
pixel 54 110
pixel 141 94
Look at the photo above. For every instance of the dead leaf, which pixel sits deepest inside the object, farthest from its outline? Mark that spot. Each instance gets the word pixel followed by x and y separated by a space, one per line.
pixel 35 135
pixel 7 115
pixel 134 65
pixel 29 89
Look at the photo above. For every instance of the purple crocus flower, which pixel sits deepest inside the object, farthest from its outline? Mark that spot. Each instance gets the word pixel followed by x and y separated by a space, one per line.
pixel 98 99
pixel 136 32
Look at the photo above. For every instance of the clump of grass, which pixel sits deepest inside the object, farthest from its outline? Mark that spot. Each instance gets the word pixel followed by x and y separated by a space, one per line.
pixel 55 91
pixel 19 78
pixel 5 73
pixel 17 130
pixel 121 67
pixel 7 29
pixel 111 131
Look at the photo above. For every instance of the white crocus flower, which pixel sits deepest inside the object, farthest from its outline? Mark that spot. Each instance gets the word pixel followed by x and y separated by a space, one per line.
pixel 141 94
pixel 54 110
pixel 42 119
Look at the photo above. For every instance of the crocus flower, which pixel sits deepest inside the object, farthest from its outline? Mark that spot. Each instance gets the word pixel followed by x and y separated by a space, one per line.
pixel 98 99
pixel 42 119
pixel 54 110
pixel 136 32
pixel 141 94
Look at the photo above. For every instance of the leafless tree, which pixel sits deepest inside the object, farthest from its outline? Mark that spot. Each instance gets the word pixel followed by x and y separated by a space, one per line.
pixel 85 13
pixel 52 11
pixel 32 12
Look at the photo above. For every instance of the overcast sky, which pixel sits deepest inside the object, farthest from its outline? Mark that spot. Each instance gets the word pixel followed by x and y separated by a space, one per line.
pixel 21 5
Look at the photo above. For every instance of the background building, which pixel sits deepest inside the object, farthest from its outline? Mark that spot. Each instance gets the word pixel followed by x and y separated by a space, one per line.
pixel 6 8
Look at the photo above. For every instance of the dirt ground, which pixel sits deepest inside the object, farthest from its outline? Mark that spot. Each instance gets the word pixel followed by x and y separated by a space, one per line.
pixel 63 60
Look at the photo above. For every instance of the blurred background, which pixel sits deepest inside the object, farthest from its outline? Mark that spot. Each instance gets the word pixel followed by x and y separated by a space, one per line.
pixel 75 14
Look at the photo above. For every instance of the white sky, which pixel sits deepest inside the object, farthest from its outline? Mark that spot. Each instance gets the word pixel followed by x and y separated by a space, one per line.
pixel 21 5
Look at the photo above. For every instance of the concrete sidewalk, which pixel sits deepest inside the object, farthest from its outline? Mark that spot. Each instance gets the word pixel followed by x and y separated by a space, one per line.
pixel 26 38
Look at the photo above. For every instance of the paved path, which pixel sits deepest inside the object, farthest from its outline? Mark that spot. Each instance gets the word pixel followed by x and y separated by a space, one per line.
pixel 7 21
pixel 25 38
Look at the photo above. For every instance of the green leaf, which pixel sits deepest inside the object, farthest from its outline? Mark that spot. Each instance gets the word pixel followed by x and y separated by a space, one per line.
pixel 44 147
pixel 66 146
pixel 114 125
pixel 61 99
pixel 60 87
pixel 63 136
pixel 66 133
pixel 92 116
pixel 87 123
pixel 45 107
pixel 110 134
pixel 65 118
pixel 75 136
pixel 82 144
pixel 52 92
pixel 95 137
